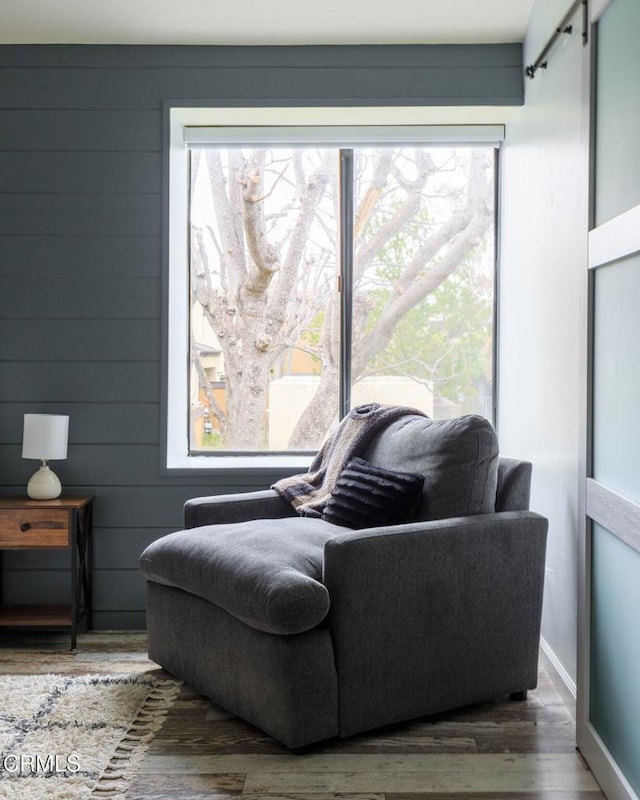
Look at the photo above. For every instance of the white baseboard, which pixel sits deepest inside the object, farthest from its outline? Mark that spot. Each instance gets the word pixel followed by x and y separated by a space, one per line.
pixel 562 673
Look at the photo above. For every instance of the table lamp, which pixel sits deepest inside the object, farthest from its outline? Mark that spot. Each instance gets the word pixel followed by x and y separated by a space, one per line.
pixel 45 438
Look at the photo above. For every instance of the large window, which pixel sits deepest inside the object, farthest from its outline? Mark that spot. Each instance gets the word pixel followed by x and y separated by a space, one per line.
pixel 321 276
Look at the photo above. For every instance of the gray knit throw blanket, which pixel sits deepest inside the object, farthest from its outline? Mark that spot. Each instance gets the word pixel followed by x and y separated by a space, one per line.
pixel 310 492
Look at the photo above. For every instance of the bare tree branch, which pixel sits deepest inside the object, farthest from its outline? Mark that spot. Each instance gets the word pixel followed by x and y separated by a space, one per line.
pixel 206 387
pixel 264 255
pixel 374 191
pixel 444 252
pixel 406 210
pixel 232 261
pixel 310 192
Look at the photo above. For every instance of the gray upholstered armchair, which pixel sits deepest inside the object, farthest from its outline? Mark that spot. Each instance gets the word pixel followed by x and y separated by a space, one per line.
pixel 311 630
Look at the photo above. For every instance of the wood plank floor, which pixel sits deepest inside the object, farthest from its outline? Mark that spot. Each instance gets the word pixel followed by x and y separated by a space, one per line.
pixel 494 751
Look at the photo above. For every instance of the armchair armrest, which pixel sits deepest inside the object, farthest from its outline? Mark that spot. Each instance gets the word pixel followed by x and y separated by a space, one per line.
pixel 266 504
pixel 434 615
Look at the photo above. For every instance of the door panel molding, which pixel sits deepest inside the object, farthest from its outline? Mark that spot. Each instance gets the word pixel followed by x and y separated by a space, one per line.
pixel 617 238
pixel 618 514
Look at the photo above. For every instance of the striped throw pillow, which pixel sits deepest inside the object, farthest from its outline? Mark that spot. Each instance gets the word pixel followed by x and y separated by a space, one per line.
pixel 367 496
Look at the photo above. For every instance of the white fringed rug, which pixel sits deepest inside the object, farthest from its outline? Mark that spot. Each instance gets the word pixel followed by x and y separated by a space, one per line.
pixel 73 737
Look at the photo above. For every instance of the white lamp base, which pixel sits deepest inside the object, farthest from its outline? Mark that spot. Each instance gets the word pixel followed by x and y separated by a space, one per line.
pixel 44 485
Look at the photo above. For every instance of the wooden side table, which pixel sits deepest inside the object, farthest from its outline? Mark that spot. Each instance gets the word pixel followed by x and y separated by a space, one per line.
pixel 64 523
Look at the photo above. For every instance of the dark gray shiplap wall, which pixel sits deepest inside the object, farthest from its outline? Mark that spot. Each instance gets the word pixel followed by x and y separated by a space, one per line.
pixel 81 143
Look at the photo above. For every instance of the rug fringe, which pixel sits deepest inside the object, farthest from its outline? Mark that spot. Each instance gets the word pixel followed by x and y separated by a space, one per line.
pixel 133 746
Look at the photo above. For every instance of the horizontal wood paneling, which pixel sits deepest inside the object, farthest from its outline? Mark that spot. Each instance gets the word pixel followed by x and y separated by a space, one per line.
pixel 139 88
pixel 80 215
pixel 84 298
pixel 74 131
pixel 112 465
pixel 77 382
pixel 136 78
pixel 127 57
pixel 100 256
pixel 36 586
pixel 80 173
pixel 44 339
pixel 121 620
pixel 81 179
pixel 119 548
pixel 118 589
pixel 90 423
pixel 35 559
pixel 113 590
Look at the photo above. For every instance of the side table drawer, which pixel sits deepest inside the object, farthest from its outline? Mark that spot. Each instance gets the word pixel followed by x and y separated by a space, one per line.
pixel 34 527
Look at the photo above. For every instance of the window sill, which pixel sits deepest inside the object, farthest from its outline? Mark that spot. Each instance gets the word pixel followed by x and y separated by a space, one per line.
pixel 216 463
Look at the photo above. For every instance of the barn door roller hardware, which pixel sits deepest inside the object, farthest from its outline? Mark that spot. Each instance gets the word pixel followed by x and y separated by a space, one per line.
pixel 564 27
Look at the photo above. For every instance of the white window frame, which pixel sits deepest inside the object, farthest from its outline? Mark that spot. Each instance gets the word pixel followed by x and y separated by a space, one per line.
pixel 335 126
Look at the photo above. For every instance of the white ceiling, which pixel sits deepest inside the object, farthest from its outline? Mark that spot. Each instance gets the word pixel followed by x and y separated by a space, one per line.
pixel 251 22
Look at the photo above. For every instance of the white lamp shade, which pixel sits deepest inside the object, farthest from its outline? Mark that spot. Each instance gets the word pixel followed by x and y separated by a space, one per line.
pixel 45 436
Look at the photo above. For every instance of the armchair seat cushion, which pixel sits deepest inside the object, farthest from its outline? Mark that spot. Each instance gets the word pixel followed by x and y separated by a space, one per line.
pixel 266 573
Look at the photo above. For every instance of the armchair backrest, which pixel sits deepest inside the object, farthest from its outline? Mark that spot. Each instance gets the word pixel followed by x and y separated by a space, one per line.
pixel 458 458
pixel 514 485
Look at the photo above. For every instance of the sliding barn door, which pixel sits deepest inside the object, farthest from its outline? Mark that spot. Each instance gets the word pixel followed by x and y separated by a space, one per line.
pixel 609 692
